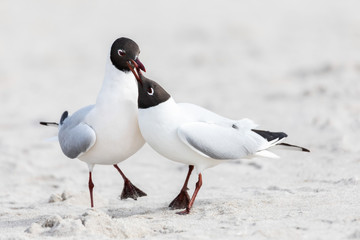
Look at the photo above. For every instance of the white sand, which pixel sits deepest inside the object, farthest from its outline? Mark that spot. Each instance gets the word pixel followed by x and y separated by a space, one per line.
pixel 290 66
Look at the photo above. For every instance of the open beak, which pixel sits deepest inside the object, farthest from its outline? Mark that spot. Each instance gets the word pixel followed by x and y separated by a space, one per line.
pixel 140 65
pixel 134 69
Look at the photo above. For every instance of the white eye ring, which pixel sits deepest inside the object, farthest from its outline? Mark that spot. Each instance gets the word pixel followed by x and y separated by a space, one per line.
pixel 121 52
pixel 151 91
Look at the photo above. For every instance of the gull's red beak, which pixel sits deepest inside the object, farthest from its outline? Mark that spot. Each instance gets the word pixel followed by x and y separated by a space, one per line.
pixel 140 65
pixel 134 69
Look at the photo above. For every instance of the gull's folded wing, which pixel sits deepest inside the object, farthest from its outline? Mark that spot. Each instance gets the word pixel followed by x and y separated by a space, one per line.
pixel 75 136
pixel 221 142
pixel 77 140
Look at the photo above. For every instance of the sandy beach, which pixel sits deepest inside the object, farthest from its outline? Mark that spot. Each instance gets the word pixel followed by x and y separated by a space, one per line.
pixel 289 66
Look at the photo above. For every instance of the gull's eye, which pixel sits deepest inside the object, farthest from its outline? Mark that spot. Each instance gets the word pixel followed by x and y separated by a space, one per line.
pixel 121 52
pixel 150 91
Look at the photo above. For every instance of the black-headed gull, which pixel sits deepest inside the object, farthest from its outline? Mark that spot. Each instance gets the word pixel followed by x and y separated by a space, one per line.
pixel 107 132
pixel 192 135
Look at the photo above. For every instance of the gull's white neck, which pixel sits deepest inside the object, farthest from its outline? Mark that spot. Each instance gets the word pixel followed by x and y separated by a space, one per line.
pixel 118 86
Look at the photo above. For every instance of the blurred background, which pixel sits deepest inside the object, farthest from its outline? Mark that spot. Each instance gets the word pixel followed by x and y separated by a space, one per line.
pixel 291 66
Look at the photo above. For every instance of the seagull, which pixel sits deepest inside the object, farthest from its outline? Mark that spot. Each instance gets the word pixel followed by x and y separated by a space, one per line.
pixel 192 135
pixel 107 132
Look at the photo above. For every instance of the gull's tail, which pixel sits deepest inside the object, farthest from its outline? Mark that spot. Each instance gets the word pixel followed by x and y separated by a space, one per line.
pixel 275 139
pixel 55 124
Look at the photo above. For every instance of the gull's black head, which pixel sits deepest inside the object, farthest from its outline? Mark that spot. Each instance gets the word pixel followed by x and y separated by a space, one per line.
pixel 125 51
pixel 150 93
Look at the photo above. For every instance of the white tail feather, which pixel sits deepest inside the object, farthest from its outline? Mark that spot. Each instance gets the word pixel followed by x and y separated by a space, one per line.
pixel 51 139
pixel 266 154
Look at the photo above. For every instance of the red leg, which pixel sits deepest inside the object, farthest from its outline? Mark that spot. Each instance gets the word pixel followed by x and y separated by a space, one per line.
pixel 191 167
pixel 129 191
pixel 91 187
pixel 182 200
pixel 198 186
pixel 121 173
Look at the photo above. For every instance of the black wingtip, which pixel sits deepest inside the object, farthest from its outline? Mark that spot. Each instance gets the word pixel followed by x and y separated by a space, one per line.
pixel 269 136
pixel 290 145
pixel 63 117
pixel 49 123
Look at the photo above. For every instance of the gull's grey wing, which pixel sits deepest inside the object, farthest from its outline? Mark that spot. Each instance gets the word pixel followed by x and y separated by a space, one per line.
pixel 220 141
pixel 75 136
